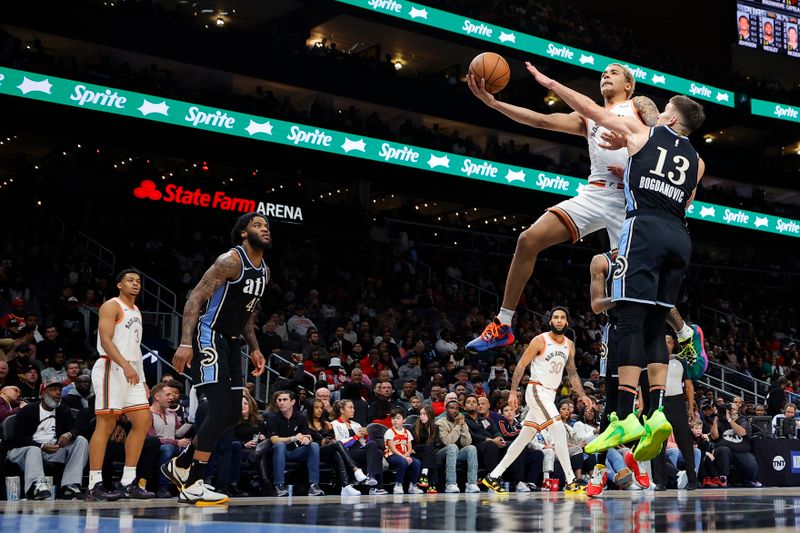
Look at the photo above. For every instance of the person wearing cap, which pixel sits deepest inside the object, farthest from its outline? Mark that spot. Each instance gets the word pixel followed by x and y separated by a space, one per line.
pixel 334 375
pixel 29 384
pixel 71 327
pixel 17 314
pixel 47 431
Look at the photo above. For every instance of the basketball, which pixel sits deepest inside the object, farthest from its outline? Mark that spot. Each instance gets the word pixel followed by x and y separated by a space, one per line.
pixel 492 68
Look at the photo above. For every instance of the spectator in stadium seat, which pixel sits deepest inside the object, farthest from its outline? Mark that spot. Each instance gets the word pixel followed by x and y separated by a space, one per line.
pixel 334 376
pixel 345 345
pixel 29 387
pixel 457 438
pixel 313 344
pixel 10 403
pixel 371 365
pixel 71 328
pixel 365 452
pixel 445 346
pixel 51 344
pixel 3 373
pixel 298 324
pixel 314 364
pixel 408 392
pixel 269 340
pixel 56 370
pixel 485 434
pixel 291 442
pixel 166 427
pixel 32 322
pixel 731 435
pixel 46 431
pixel 410 370
pixel 323 394
pixel 81 396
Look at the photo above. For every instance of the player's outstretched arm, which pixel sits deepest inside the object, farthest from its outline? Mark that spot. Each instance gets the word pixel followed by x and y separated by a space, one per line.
pixel 598 270
pixel 586 107
pixel 227 266
pixel 647 110
pixel 571 123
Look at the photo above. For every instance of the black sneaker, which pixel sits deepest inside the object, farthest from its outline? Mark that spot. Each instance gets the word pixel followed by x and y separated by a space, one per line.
pixel 135 492
pixel 281 490
pixel 71 492
pixel 164 493
pixel 493 484
pixel 314 490
pixel 39 491
pixel 236 492
pixel 99 494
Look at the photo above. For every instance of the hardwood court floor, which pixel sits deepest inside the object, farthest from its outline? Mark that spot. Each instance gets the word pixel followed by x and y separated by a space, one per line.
pixel 774 509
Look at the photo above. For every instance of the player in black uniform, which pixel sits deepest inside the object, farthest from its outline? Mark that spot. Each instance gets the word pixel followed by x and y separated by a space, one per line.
pixel 221 308
pixel 660 180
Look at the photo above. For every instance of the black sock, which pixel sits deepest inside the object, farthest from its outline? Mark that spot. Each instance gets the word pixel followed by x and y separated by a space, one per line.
pixel 198 471
pixel 626 401
pixel 184 460
pixel 656 398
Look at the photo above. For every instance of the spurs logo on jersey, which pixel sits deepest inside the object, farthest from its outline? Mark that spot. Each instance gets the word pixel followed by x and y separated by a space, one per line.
pixel 548 367
pixel 127 333
pixel 600 158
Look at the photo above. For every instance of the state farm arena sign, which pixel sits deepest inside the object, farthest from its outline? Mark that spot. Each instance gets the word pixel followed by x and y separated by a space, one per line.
pixel 177 194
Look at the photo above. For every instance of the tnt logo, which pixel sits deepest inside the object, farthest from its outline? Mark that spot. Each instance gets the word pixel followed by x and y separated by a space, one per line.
pixel 147 190
pixel 795 462
pixel 778 463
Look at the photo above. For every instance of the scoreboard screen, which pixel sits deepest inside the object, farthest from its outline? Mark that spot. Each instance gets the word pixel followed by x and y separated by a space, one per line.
pixel 769 25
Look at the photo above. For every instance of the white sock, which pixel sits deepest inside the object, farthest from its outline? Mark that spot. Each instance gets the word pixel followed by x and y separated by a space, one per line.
pixel 424 472
pixel 559 433
pixel 685 333
pixel 505 316
pixel 546 474
pixel 95 477
pixel 128 475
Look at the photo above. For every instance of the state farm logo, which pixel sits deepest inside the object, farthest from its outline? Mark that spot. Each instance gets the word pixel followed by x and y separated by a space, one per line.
pixel 177 194
pixel 147 190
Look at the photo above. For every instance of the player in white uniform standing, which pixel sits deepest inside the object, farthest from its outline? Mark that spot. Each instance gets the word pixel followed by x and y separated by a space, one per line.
pixel 119 388
pixel 548 355
pixel 599 205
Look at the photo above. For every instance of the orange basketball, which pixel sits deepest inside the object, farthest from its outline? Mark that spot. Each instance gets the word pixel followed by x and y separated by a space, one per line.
pixel 492 68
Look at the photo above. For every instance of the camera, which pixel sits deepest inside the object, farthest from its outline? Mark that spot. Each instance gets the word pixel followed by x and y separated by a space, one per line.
pixel 722 409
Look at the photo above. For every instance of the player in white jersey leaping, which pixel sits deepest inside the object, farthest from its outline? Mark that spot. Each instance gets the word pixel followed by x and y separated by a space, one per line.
pixel 600 205
pixel 548 355
pixel 119 387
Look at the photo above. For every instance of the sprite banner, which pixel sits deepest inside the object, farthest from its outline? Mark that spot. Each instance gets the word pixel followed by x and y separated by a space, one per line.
pixel 177 113
pixel 461 25
pixel 774 110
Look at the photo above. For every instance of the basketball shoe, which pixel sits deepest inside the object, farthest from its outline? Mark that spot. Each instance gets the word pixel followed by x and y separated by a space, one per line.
pixel 494 336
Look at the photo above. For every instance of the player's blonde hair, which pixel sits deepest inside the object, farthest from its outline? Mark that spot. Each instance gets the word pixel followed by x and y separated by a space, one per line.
pixel 626 71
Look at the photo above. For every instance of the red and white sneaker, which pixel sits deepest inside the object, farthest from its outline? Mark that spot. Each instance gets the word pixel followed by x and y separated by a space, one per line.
pixel 597 483
pixel 638 469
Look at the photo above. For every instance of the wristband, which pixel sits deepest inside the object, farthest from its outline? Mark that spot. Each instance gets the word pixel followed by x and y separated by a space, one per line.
pixel 185 346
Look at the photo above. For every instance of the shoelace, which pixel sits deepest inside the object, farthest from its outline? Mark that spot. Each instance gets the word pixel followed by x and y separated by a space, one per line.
pixel 492 330
pixel 597 477
pixel 688 352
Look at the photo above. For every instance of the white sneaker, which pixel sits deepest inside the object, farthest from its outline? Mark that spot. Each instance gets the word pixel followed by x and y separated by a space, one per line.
pixel 683 480
pixel 413 489
pixel 452 488
pixel 472 487
pixel 201 494
pixel 350 490
pixel 398 489
pixel 374 491
pixel 371 481
pixel 522 487
pixel 360 475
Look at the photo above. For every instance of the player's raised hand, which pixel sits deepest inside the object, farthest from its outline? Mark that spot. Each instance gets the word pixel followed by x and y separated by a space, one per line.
pixel 258 361
pixel 538 76
pixel 478 88
pixel 613 140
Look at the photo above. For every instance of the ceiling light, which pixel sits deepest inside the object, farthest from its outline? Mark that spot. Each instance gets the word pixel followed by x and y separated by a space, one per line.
pixel 398 65
pixel 220 21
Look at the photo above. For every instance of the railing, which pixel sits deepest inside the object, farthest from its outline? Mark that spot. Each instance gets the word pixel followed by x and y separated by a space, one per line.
pixel 715 314
pixel 480 290
pixel 735 383
pixel 49 221
pixel 162 303
pixel 167 324
pixel 272 371
pixel 106 259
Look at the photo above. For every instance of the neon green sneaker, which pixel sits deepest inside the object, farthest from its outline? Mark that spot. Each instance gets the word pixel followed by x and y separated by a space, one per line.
pixel 656 430
pixel 618 432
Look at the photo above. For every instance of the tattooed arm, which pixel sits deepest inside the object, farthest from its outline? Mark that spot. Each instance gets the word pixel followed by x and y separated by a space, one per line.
pixel 252 342
pixel 574 379
pixel 647 110
pixel 227 266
